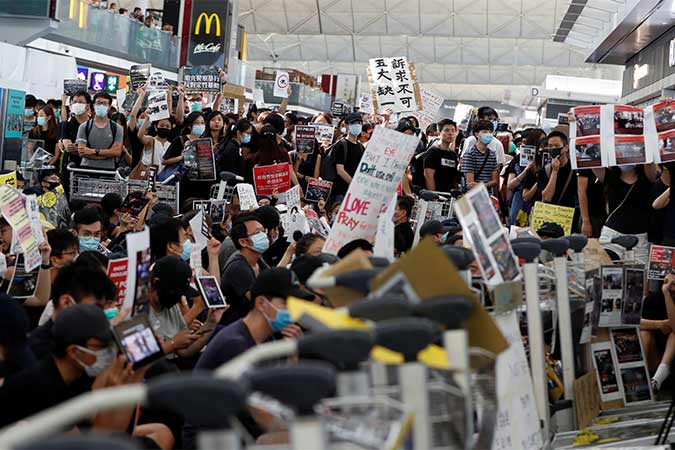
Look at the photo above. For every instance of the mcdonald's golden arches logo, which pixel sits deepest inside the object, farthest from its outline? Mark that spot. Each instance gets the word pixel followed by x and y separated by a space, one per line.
pixel 209 20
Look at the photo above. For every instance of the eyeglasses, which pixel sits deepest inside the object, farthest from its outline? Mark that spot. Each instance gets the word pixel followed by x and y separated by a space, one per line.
pixel 259 230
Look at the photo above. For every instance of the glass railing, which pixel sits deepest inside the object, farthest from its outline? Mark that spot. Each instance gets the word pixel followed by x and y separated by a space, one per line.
pixel 25 8
pixel 95 29
pixel 302 95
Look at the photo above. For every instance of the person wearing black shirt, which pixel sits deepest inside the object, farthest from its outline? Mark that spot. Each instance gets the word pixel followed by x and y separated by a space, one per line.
pixel 348 153
pixel 440 162
pixel 403 229
pixel 591 203
pixel 555 181
pixel 522 180
pixel 663 205
pixel 80 107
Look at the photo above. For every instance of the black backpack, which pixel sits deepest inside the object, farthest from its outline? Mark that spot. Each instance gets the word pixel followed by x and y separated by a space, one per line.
pixel 328 170
pixel 90 124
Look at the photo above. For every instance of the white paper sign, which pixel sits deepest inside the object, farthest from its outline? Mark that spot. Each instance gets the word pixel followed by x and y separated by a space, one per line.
pixel 379 173
pixel 33 211
pixel 136 242
pixel 281 83
pixel 384 240
pixel 196 224
pixel 3 264
pixel 517 420
pixel 14 211
pixel 247 198
pixel 431 104
pixel 293 197
pixel 296 222
pixel 392 84
pixel 121 96
pixel 462 116
pixel 158 106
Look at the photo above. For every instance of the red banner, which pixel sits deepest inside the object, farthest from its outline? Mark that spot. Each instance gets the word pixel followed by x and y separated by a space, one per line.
pixel 267 179
pixel 117 272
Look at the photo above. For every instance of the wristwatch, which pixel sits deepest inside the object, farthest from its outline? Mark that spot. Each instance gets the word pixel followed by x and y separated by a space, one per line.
pixel 45 266
pixel 98 152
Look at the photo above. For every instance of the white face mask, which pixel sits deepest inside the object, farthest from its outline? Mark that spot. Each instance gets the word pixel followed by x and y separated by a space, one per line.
pixel 78 108
pixel 104 359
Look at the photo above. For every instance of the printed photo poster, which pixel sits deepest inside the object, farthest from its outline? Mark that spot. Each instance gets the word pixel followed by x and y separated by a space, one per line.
pixel 71 87
pixel 488 239
pixel 626 143
pixel 13 209
pixel 661 262
pixel 517 419
pixel 612 296
pixel 585 142
pixel 117 272
pixel 324 134
pixel 393 85
pixel 272 178
pixel 281 83
pixel 431 104
pixel 660 131
pixel 297 223
pixel 629 355
pixel 158 107
pixel 366 103
pixel 605 368
pixel 143 282
pixel 218 211
pixel 379 173
pixel 305 137
pixel 587 329
pixel 318 189
pixel 24 282
pixel 138 75
pixel 527 154
pixel 247 198
pixel 462 116
pixel 633 296
pixel 137 243
pixel 206 164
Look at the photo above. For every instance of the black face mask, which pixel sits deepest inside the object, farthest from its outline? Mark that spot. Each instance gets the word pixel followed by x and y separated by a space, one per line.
pixel 163 132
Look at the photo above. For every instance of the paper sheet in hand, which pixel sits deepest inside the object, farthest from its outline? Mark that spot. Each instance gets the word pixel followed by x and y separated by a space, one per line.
pixel 158 106
pixel 12 208
pixel 136 243
pixel 196 224
pixel 281 83
pixel 247 198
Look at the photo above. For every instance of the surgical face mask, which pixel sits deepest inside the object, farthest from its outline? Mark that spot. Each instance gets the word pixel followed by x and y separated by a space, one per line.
pixel 89 243
pixel 196 106
pixel 260 242
pixel 627 168
pixel 78 108
pixel 187 250
pixel 28 112
pixel 101 110
pixel 246 138
pixel 282 320
pixel 163 133
pixel 198 129
pixel 111 313
pixel 512 148
pixel 42 121
pixel 486 138
pixel 104 358
pixel 355 129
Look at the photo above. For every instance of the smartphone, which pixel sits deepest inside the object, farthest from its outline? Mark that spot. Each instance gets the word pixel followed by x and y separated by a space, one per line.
pixel 546 158
pixel 137 341
pixel 211 293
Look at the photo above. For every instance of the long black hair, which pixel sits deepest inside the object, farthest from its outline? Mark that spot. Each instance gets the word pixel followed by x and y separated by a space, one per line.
pixel 241 126
pixel 189 121
pixel 210 117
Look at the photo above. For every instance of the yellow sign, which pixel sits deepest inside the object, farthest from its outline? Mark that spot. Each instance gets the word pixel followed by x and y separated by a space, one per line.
pixel 208 19
pixel 545 212
pixel 8 179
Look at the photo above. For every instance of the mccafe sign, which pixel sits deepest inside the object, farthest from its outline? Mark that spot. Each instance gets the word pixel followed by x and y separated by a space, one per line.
pixel 207 33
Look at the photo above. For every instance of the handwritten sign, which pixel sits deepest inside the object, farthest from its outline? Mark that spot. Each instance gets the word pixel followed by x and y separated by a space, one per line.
pixel 275 177
pixel 545 212
pixel 431 103
pixel 8 179
pixel 12 208
pixel 393 85
pixel 380 171
pixel 247 199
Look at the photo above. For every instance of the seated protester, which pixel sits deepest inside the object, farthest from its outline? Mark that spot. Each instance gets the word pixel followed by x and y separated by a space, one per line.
pixel 663 371
pixel 269 217
pixel 349 247
pixel 662 203
pixel 479 163
pixel 440 162
pixel 309 245
pixel 110 205
pixel 169 238
pixel 242 269
pixel 47 130
pixel 88 227
pixel 170 283
pixel 65 248
pixel 75 283
pixel 555 180
pixel 99 140
pixel 403 228
pixel 15 354
pixel 436 230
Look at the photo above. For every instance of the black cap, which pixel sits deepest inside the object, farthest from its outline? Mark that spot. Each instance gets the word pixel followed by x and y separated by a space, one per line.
pixel 433 227
pixel 276 121
pixel 268 216
pixel 163 208
pixel 551 230
pixel 174 274
pixel 353 117
pixel 405 125
pixel 305 266
pixel 79 323
pixel 279 282
pixel 14 326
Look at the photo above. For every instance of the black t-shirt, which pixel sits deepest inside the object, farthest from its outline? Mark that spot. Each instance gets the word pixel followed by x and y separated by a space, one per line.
pixel 595 193
pixel 515 168
pixel 348 154
pixel 230 158
pixel 50 143
pixel 40 340
pixel 35 390
pixel 406 235
pixel 560 198
pixel 238 278
pixel 632 215
pixel 444 163
pixel 175 148
pixel 228 343
pixel 69 131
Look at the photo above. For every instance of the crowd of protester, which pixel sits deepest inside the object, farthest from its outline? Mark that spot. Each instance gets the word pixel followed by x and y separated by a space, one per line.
pixel 57 344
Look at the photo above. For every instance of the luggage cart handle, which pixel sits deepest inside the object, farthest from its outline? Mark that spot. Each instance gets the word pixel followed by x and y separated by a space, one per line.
pixel 72 168
pixel 277 349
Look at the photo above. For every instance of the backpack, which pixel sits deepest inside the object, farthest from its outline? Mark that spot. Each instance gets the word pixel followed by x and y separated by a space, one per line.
pixel 328 170
pixel 90 124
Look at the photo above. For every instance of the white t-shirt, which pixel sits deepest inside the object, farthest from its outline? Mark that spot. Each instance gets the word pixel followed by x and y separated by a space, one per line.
pixel 149 158
pixel 495 145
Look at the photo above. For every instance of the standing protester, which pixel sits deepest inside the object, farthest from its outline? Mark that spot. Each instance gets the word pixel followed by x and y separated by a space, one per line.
pixel 662 204
pixel 348 153
pixel 403 229
pixel 556 180
pixel 99 140
pixel 440 163
pixel 489 114
pixel 522 181
pixel 479 163
pixel 47 130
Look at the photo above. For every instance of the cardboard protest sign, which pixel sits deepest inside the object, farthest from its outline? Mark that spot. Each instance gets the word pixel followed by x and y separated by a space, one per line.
pixel 117 272
pixel 281 83
pixel 488 239
pixel 12 208
pixel 138 75
pixel 517 424
pixel 158 106
pixel 206 165
pixel 587 399
pixel 70 87
pixel 661 262
pixel 324 133
pixel 431 104
pixel 247 198
pixel 393 85
pixel 546 212
pixel 318 189
pixel 380 171
pixel 305 137
pixel 237 93
pixel 275 177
